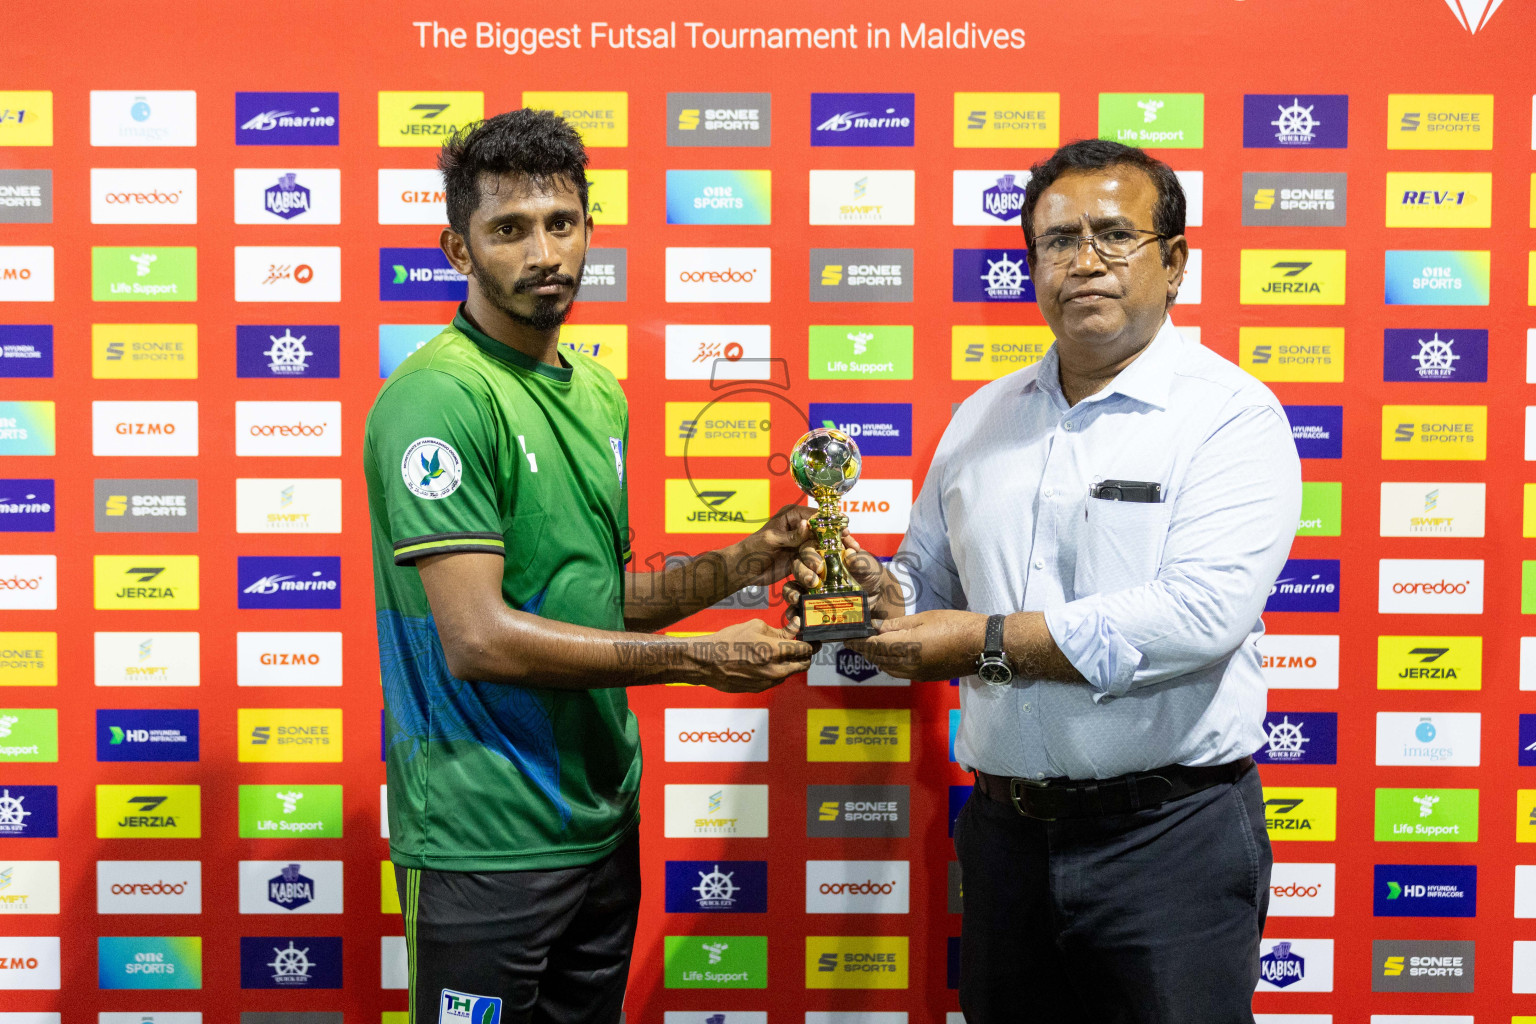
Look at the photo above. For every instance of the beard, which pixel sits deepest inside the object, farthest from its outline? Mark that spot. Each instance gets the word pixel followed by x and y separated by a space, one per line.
pixel 547 313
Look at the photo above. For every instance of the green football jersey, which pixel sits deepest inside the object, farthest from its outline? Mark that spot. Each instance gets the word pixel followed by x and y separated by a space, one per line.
pixel 472 446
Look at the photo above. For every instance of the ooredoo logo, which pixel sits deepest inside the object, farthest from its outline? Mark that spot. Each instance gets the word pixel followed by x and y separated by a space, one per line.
pixel 1430 586
pixel 1302 890
pixel 868 887
pixel 29 581
pixel 288 428
pixel 1439 587
pixel 148 886
pixel 143 195
pixel 719 275
pixel 726 276
pixel 717 734
pixel 157 888
pixel 857 886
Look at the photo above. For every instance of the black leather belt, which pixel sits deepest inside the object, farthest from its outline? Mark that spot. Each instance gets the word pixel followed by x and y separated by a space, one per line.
pixel 1053 799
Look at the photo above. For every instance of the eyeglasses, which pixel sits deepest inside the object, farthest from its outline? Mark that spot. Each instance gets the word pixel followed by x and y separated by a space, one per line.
pixel 1113 246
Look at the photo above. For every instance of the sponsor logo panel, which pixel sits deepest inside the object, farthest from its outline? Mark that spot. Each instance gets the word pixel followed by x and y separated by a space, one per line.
pixel 292 810
pixel 847 961
pixel 288 659
pixel 602 118
pixel 1444 432
pixel 285 887
pixel 144 351
pixel 992 275
pixel 143 117
pixel 26 428
pixel 1433 509
pixel 26 273
pixel 148 812
pixel 26 350
pixel 26 197
pixel 1299 662
pixel 287 505
pixel 1429 662
pixel 1322 509
pixel 149 887
pixel 1437 277
pixel 143 195
pixel 1425 890
pixel 1295 965
pixel 1439 121
pixel 861 275
pixel 717 428
pixel 1153 121
pixel 860 352
pixel 29 887
pixel 26 119
pixel 1430 586
pixel 988 198
pixel 129 735
pixel 1301 812
pixel 1295 277
pixel 881 506
pixel 715 961
pixel 166 273
pixel 287 195
pixel 29 659
pixel 716 505
pixel 607 343
pixel 147 659
pixel 990 351
pixel 289 581
pixel 29 812
pixel 29 582
pixel 1302 890
pixel 716 734
pixel 844 734
pixel 168 582
pixel 719 197
pixel 31 962
pixel 1295 200
pixel 1527 741
pixel 29 734
pixel 1426 815
pixel 608 196
pixel 1295 121
pixel 717 886
pixel 1300 737
pixel 719 119
pixel 287 273
pixel 842 198
pixel 605 277
pixel 1306 585
pixel 1426 965
pixel 1007 120
pixel 1449 739
pixel 836 665
pixel 287 118
pixel 290 962
pixel 719 275
pixel 419 275
pixel 858 811
pixel 1318 430
pixel 726 811
pixel 288 428
pixel 857 886
pixel 141 428
pixel 1292 354
pixel 426 118
pixel 412 196
pixel 879 428
pixel 1440 199
pixel 160 962
pixel 26 506
pixel 863 118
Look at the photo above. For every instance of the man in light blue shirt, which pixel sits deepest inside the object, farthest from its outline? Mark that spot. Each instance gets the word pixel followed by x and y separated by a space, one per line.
pixel 1090 553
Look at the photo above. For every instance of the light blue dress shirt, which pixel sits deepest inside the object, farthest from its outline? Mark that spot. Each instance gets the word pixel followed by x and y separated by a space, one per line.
pixel 1157 605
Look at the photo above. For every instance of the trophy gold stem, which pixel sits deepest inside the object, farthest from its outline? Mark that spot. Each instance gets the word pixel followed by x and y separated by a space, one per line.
pixel 828 524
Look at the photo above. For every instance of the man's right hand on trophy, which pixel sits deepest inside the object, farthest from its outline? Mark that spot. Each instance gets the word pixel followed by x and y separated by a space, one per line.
pixel 810 568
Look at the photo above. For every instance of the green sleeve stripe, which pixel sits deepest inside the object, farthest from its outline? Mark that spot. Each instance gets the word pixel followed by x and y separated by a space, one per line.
pixel 408 541
pixel 409 553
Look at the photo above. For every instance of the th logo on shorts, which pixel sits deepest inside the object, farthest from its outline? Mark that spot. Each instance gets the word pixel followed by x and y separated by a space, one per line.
pixel 463 1008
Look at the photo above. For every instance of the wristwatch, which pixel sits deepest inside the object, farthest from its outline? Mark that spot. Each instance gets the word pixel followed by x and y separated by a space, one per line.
pixel 993 666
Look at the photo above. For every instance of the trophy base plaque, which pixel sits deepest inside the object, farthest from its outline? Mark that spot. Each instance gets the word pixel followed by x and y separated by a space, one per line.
pixel 835 616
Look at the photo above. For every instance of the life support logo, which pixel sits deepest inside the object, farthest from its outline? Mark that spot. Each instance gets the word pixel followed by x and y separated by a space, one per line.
pixel 431 468
pixel 464 1008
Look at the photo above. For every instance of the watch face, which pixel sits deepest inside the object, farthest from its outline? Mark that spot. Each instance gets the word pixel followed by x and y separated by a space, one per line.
pixel 995 672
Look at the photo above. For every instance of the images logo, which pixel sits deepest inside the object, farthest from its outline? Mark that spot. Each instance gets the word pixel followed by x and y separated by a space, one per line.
pixel 288 351
pixel 1011 120
pixel 1429 662
pixel 1435 355
pixel 1411 738
pixel 719 118
pixel 602 118
pixel 862 118
pixel 1306 585
pixel 29 812
pixel 289 582
pixel 149 963
pixel 426 118
pixel 1458 432
pixel 1301 812
pixel 287 118
pixel 412 275
pixel 714 887
pixel 26 506
pixel 1426 815
pixel 719 197
pixel 715 810
pixel 1423 966
pixel 716 961
pixel 1298 277
pixel 146 581
pixel 861 275
pixel 860 352
pixel 1160 121
pixel 1297 199
pixel 26 350
pixel 123 735
pixel 992 275
pixel 144 351
pixel 1300 738
pixel 1425 890
pixel 1439 121
pixel 844 961
pixel 143 118
pixel 857 811
pixel 719 275
pixel 26 118
pixel 148 812
pixel 1295 121
pixel 299 962
pixel 1437 277
pixel 880 428
pixel 291 810
pixel 143 274
pixel 842 734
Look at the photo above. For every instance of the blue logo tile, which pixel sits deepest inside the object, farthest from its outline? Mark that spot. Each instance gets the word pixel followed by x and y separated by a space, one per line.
pixel 878 428
pixel 134 735
pixel 288 350
pixel 862 118
pixel 287 118
pixel 717 887
pixel 289 582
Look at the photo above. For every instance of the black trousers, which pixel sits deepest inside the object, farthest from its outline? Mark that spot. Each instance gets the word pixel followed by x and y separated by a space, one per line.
pixel 1152 917
pixel 521 947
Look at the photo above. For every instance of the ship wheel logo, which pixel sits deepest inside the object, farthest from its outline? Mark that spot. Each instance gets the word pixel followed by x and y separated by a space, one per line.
pixel 1005 278
pixel 716 889
pixel 1285 739
pixel 291 966
pixel 11 811
pixel 1296 123
pixel 287 354
pixel 1435 357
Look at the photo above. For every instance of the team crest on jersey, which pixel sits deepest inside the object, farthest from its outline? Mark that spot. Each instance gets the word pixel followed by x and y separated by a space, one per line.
pixel 617 444
pixel 431 468
pixel 463 1008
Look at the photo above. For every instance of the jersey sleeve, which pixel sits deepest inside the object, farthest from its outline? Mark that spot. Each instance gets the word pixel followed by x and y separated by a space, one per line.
pixel 434 444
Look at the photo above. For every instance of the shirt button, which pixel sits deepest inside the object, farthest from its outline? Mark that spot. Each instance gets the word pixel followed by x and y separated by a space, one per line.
pixel 1050 492
pixel 1039 775
pixel 1026 706
pixel 1039 563
pixel 1067 425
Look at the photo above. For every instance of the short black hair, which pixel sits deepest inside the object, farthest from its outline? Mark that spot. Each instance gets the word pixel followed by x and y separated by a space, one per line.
pixel 1097 155
pixel 536 143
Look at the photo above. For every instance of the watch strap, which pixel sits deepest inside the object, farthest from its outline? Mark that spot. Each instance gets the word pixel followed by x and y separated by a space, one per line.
pixel 992 646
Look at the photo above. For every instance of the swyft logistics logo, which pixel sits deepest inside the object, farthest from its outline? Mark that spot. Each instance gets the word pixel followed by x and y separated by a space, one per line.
pixel 1435 354
pixel 130 735
pixel 1439 121
pixel 143 273
pixel 717 886
pixel 880 428
pixel 1442 199
pixel 285 887
pixel 26 350
pixel 26 118
pixel 1296 965
pixel 1295 199
pixel 287 351
pixel 1429 662
pixel 289 735
pixel 860 352
pixel 29 887
pixel 26 428
pixel 715 961
pixel 29 812
pixel 426 118
pixel 843 734
pixel 992 275
pixel 848 961
pixel 1007 120
pixel 147 659
pixel 288 429
pixel 26 506
pixel 1437 277
pixel 715 810
pixel 29 582
pixel 143 117
pixel 1301 812
pixel 29 659
pixel 990 351
pixel 602 118
pixel 144 351
pixel 716 505
pixel 287 811
pixel 412 275
pixel 1423 966
pixel 719 197
pixel 144 962
pixel 857 886
pixel 142 195
pixel 1287 354
pixel 846 198
pixel 168 582
pixel 863 118
pixel 1295 121
pixel 287 118
pixel 861 275
pixel 1426 815
pixel 29 734
pixel 288 505
pixel 148 812
pixel 719 118
pixel 1153 120
pixel 717 428
pixel 1292 661
pixel 290 962
pixel 26 273
pixel 1296 737
pixel 1306 585
pixel 1292 277
pixel 1424 890
pixel 1438 432
pixel 289 582
pixel 1442 738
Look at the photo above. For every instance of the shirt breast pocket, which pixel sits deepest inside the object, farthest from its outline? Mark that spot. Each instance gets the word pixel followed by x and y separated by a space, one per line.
pixel 1121 545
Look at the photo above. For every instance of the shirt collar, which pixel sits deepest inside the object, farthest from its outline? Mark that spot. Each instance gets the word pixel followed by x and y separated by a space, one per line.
pixel 1147 380
pixel 506 353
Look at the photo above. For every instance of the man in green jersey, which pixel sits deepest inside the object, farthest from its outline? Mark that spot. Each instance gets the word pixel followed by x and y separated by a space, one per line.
pixel 508 626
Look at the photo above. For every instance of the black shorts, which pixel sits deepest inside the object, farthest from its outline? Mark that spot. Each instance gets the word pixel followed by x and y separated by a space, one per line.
pixel 521 947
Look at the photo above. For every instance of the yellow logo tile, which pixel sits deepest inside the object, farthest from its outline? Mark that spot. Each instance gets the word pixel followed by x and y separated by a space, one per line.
pixel 1429 663
pixel 846 734
pixel 602 118
pixel 716 506
pixel 1292 277
pixel 1454 432
pixel 149 811
pixel 608 196
pixel 389 896
pixel 717 428
pixel 1439 121
pixel 26 118
pixel 29 659
pixel 1525 816
pixel 426 118
pixel 1442 199
pixel 146 582
pixel 856 961
pixel 1301 812
pixel 989 351
pixel 607 343
pixel 1292 354
pixel 289 734
pixel 1007 120
pixel 144 351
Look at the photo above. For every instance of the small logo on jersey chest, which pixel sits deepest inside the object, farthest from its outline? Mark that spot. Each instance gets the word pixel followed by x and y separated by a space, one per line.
pixel 431 468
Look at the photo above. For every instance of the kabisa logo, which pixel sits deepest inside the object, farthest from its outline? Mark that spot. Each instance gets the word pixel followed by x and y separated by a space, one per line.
pixel 26 350
pixel 836 665
pixel 714 887
pixel 719 118
pixel 128 735
pixel 431 468
pixel 1306 585
pixel 287 118
pixel 298 962
pixel 287 198
pixel 291 889
pixel 1435 355
pixel 1425 890
pixel 1437 277
pixel 29 811
pixel 1003 201
pixel 426 118
pixel 464 1008
pixel 419 275
pixel 1318 430
pixel 26 506
pixel 862 119
pixel 287 350
pixel 289 582
pixel 992 275
pixel 1442 738
pixel 879 428
pixel 1300 738
pixel 1295 121
pixel 1281 967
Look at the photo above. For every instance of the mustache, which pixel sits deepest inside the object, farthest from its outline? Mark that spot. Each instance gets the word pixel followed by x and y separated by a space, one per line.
pixel 527 284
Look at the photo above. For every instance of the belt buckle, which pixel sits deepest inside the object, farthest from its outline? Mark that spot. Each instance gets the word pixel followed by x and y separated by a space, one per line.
pixel 1017 787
